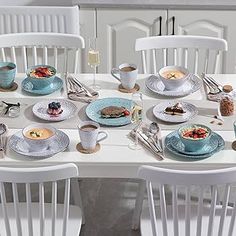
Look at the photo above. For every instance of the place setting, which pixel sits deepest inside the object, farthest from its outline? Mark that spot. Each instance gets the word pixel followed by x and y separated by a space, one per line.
pixel 173 81
pixel 194 141
pixel 41 80
pixel 38 141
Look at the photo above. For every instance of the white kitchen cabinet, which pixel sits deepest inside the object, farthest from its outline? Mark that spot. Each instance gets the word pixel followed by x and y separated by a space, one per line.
pixel 87 30
pixel 208 23
pixel 117 31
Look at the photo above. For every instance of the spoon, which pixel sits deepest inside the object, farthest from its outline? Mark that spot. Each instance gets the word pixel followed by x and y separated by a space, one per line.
pixel 155 129
pixel 3 129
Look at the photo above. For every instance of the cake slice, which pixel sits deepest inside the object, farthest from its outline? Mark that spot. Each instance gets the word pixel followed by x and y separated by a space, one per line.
pixel 176 109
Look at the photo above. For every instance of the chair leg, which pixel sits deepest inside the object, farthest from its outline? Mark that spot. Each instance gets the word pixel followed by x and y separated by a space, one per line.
pixel 77 196
pixel 138 205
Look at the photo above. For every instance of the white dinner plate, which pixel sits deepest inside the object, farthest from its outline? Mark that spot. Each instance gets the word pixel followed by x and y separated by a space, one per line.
pixel 190 112
pixel 59 143
pixel 40 110
pixel 155 84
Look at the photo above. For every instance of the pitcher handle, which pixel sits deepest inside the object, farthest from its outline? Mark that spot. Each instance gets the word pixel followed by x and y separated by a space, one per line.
pixel 115 71
pixel 104 136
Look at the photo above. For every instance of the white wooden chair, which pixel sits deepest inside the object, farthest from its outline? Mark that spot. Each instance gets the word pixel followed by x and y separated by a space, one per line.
pixel 21 19
pixel 197 53
pixel 39 218
pixel 185 216
pixel 58 50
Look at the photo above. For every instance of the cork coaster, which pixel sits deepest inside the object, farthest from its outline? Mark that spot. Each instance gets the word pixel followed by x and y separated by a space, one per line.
pixel 234 145
pixel 12 88
pixel 133 90
pixel 82 150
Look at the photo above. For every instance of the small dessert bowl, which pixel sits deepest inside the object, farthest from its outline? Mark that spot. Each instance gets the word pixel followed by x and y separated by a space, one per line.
pixel 41 76
pixel 173 76
pixel 194 136
pixel 38 136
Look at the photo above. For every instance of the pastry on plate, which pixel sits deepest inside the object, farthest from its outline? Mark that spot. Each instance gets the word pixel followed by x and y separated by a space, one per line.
pixel 176 109
pixel 114 112
pixel 54 108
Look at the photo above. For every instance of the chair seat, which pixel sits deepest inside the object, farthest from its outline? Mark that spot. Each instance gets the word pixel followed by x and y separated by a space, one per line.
pixel 145 221
pixel 73 226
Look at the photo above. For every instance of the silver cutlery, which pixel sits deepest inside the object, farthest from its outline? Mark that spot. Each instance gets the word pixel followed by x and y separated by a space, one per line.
pixel 76 82
pixel 3 130
pixel 213 86
pixel 155 130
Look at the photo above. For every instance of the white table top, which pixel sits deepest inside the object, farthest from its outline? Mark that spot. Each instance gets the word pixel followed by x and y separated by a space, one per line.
pixel 115 159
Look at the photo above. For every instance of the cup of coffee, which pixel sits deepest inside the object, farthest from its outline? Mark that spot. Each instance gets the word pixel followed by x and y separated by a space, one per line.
pixel 89 134
pixel 7 74
pixel 127 75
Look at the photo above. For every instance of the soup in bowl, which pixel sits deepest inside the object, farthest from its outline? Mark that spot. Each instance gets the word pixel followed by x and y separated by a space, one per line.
pixel 194 136
pixel 38 136
pixel 41 76
pixel 173 76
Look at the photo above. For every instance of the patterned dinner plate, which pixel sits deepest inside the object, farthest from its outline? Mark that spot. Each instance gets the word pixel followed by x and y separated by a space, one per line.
pixel 159 112
pixel 190 86
pixel 18 144
pixel 93 111
pixel 175 146
pixel 40 110
pixel 56 84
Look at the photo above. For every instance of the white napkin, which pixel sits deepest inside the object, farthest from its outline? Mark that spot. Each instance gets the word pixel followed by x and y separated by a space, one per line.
pixel 77 93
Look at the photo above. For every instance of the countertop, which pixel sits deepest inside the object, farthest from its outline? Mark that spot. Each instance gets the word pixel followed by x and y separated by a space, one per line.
pixel 161 4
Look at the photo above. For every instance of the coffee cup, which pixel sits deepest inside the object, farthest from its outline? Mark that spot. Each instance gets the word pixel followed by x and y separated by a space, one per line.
pixel 127 75
pixel 89 133
pixel 7 74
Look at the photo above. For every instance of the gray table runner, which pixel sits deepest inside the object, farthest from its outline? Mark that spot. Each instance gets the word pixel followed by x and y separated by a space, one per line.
pixel 206 112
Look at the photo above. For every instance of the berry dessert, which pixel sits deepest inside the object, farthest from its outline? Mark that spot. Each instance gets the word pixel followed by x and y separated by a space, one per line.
pixel 42 72
pixel 195 133
pixel 54 109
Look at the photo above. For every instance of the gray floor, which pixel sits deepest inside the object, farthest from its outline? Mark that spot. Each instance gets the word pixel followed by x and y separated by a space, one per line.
pixel 109 205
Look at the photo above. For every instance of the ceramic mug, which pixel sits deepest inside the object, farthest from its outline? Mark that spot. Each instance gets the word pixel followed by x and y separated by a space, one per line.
pixel 128 75
pixel 7 75
pixel 89 132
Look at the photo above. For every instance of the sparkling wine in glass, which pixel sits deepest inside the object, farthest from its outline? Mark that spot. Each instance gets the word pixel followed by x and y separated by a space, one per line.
pixel 94 60
pixel 136 117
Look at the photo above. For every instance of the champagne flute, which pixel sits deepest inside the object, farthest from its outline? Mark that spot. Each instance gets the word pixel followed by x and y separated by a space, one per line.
pixel 136 117
pixel 94 60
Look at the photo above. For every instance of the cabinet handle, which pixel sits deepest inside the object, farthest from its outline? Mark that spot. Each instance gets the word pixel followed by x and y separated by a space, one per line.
pixel 173 25
pixel 160 26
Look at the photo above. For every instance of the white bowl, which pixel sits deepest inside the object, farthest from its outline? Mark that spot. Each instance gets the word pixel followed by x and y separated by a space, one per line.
pixel 38 144
pixel 173 84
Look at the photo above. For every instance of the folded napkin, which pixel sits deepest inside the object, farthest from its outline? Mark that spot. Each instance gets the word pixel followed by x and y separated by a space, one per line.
pixel 147 139
pixel 77 91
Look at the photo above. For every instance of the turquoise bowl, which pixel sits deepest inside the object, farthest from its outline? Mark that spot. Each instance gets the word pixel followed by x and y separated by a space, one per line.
pixel 41 82
pixel 193 145
pixel 7 76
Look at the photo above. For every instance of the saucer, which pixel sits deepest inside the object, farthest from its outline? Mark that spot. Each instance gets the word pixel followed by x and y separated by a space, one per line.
pixel 155 84
pixel 40 110
pixel 159 112
pixel 175 146
pixel 56 84
pixel 18 144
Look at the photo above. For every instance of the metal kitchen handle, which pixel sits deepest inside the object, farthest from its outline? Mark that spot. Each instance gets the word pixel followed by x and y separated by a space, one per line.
pixel 160 26
pixel 173 25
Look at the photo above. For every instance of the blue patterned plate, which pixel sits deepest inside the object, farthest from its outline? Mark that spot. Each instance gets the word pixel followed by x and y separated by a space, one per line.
pixel 56 84
pixel 93 111
pixel 18 144
pixel 175 146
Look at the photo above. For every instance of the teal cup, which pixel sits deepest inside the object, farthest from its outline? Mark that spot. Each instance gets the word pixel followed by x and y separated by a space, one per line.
pixel 7 74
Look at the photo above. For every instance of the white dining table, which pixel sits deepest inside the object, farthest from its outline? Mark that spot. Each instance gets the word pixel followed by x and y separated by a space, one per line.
pixel 115 159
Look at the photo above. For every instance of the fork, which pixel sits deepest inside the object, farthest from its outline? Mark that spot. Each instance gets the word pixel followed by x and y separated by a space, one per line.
pixel 213 86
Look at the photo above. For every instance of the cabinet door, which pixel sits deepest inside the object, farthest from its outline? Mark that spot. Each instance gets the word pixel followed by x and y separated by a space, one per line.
pixel 207 23
pixel 117 31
